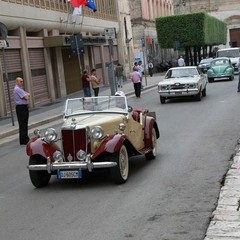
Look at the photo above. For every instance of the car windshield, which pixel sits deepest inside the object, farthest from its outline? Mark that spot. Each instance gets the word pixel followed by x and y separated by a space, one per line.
pixel 207 60
pixel 88 105
pixel 181 72
pixel 218 62
pixel 231 53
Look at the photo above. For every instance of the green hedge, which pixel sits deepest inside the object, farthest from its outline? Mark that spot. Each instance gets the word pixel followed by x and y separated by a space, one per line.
pixel 197 29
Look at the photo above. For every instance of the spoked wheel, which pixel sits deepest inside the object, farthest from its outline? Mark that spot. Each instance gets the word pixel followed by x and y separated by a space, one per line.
pixel 120 172
pixel 39 179
pixel 151 155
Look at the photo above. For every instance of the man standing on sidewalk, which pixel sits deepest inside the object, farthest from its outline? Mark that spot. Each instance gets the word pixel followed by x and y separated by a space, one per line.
pixel 21 98
pixel 136 79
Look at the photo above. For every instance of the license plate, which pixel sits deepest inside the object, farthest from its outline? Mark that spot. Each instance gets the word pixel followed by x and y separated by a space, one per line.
pixel 69 174
pixel 178 92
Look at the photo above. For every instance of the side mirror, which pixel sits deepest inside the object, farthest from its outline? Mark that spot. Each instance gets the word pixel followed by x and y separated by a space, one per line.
pixel 130 109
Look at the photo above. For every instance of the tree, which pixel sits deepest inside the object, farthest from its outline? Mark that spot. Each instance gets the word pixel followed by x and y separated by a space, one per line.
pixel 195 31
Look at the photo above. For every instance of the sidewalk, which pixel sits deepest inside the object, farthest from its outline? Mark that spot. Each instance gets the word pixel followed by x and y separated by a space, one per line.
pixel 54 111
pixel 225 222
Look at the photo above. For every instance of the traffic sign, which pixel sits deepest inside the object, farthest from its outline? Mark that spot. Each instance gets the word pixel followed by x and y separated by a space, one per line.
pixel 110 33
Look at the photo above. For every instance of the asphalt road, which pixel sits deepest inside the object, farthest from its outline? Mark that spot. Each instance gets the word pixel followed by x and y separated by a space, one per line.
pixel 169 198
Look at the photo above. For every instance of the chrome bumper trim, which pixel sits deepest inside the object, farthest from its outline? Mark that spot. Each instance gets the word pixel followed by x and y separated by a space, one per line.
pixel 50 167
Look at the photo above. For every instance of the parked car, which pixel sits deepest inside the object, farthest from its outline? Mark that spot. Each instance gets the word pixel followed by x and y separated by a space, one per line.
pixel 205 64
pixel 98 132
pixel 183 82
pixel 220 68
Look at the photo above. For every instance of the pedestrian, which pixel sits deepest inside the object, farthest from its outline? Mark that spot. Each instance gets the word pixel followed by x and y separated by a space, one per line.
pixel 140 70
pixel 150 68
pixel 135 66
pixel 21 98
pixel 86 84
pixel 136 79
pixel 181 62
pixel 95 81
pixel 238 65
pixel 119 75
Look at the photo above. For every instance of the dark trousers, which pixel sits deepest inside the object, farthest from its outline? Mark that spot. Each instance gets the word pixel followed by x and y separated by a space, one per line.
pixel 22 116
pixel 150 71
pixel 96 91
pixel 137 88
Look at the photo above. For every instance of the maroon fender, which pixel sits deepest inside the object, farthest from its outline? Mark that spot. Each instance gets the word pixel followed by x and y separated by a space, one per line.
pixel 149 125
pixel 38 146
pixel 110 144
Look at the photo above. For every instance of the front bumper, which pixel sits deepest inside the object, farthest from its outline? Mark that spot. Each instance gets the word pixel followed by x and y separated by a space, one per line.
pixel 220 76
pixel 179 92
pixel 51 167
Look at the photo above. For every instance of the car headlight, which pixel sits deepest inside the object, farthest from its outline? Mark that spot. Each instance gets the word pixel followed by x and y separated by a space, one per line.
pixel 192 85
pixel 228 70
pixel 81 155
pixel 97 132
pixel 57 156
pixel 50 135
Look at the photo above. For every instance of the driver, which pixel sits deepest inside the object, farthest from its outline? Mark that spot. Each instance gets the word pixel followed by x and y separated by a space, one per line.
pixel 88 103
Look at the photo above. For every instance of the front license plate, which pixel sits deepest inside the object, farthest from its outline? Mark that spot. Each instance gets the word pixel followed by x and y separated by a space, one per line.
pixel 69 174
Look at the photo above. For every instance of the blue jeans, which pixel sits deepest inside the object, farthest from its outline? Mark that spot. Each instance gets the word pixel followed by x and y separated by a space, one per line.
pixel 87 92
pixel 120 81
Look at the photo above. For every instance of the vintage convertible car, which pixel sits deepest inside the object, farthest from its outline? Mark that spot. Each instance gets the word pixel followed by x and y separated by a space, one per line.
pixel 98 132
pixel 220 68
pixel 183 82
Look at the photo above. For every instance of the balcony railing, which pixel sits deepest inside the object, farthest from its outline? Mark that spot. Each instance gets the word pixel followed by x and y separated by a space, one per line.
pixel 106 9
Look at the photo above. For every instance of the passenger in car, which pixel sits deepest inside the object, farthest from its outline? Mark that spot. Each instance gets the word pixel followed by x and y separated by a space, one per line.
pixel 120 102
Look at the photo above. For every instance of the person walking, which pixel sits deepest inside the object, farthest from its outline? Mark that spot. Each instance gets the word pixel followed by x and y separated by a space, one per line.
pixel 181 62
pixel 140 70
pixel 119 75
pixel 135 66
pixel 238 66
pixel 150 68
pixel 136 79
pixel 95 81
pixel 86 84
pixel 21 99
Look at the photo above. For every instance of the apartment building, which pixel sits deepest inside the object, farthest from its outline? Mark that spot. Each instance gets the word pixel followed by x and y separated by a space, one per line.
pixel 143 15
pixel 40 50
pixel 227 11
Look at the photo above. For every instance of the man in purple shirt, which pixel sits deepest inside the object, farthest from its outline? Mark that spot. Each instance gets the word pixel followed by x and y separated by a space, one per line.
pixel 21 98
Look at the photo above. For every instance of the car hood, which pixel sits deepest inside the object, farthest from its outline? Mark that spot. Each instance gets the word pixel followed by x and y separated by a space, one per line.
pixel 219 69
pixel 182 80
pixel 107 120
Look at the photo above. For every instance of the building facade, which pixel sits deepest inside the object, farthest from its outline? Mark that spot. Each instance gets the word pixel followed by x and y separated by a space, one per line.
pixel 145 43
pixel 227 11
pixel 40 49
